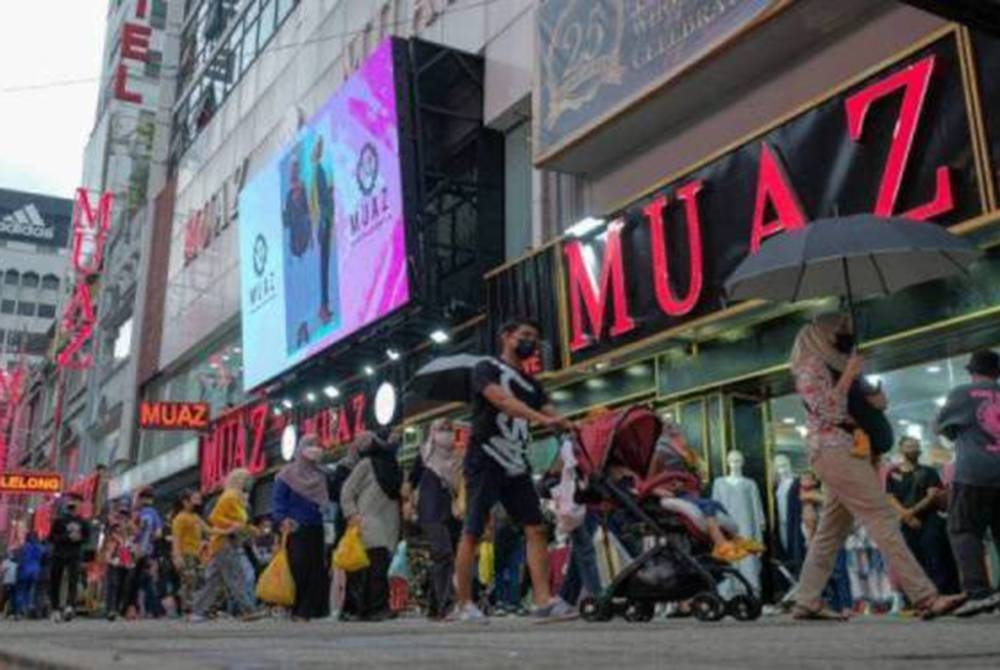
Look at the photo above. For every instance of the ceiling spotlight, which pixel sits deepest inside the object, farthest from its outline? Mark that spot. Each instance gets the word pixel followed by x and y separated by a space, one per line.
pixel 933 369
pixel 392 354
pixel 331 392
pixel 287 403
pixel 236 350
pixel 369 370
pixel 277 411
pixel 940 401
pixel 310 397
pixel 788 421
pixel 584 226
pixel 439 336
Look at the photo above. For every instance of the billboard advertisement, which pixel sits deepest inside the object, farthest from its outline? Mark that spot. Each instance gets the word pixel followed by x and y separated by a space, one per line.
pixel 322 228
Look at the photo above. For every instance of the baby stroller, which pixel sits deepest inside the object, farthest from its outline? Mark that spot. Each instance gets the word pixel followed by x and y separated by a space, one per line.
pixel 679 566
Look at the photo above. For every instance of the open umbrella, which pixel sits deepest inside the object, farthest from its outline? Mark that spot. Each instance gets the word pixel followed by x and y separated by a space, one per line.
pixel 852 257
pixel 445 379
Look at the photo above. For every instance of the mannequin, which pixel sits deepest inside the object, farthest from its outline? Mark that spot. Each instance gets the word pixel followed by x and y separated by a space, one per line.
pixel 785 482
pixel 741 497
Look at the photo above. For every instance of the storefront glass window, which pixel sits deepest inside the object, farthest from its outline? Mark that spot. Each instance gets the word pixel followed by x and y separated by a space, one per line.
pixel 916 393
pixel 215 377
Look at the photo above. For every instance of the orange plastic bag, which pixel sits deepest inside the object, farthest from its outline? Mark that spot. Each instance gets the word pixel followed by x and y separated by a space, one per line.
pixel 350 554
pixel 276 584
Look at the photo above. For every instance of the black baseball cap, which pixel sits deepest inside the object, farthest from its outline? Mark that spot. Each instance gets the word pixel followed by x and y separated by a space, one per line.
pixel 984 362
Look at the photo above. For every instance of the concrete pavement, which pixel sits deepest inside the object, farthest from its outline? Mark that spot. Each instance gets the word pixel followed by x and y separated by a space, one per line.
pixel 505 643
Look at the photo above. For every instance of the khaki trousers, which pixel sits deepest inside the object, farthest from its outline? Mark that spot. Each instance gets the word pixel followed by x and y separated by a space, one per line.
pixel 853 491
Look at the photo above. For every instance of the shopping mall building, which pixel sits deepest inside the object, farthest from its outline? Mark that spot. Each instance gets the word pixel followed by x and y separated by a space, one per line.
pixel 638 153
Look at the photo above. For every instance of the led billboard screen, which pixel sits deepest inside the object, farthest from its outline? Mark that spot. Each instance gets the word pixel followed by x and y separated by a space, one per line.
pixel 322 227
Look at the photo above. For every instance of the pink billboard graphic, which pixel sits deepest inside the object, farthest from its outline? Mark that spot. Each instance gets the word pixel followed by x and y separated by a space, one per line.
pixel 322 230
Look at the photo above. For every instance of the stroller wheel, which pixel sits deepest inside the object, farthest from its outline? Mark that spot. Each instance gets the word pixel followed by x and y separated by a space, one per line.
pixel 708 606
pixel 744 608
pixel 639 612
pixel 593 609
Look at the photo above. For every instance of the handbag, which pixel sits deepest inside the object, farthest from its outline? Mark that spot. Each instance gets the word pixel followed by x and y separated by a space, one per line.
pixel 276 584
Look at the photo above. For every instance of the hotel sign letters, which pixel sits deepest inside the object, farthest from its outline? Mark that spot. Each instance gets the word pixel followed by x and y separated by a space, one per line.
pixel 896 144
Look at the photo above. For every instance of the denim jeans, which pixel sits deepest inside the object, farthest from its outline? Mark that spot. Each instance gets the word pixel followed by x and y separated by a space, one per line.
pixel 582 571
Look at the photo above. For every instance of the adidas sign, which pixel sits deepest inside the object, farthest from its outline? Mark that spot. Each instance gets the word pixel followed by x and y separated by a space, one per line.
pixel 26 222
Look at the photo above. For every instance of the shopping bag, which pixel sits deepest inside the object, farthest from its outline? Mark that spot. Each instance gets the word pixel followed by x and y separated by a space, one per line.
pixel 350 554
pixel 487 565
pixel 569 513
pixel 400 565
pixel 276 584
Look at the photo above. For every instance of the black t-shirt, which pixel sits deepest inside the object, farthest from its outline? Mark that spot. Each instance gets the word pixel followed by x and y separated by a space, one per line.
pixel 909 488
pixel 498 436
pixel 69 534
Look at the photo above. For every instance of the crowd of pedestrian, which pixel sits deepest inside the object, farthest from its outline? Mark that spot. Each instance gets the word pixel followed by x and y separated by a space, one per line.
pixel 466 532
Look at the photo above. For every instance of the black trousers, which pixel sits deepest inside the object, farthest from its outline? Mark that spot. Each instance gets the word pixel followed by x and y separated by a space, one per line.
pixel 70 565
pixel 930 546
pixel 114 589
pixel 368 589
pixel 324 264
pixel 972 510
pixel 441 569
pixel 307 556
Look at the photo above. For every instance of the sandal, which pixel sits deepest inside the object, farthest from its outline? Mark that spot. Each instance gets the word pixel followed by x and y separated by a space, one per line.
pixel 800 613
pixel 940 606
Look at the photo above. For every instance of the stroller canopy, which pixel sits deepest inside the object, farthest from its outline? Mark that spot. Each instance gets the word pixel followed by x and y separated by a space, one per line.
pixel 625 437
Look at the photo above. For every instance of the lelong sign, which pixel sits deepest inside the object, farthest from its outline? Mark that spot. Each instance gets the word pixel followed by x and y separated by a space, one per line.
pixel 30 482
pixel 896 144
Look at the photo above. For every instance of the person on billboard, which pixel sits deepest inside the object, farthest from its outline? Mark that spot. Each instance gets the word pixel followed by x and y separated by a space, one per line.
pixel 295 217
pixel 506 399
pixel 321 210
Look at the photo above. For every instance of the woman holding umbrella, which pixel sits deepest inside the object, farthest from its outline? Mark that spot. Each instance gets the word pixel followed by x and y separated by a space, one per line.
pixel 826 366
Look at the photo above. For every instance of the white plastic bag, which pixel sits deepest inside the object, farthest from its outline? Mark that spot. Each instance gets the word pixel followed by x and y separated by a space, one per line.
pixel 569 513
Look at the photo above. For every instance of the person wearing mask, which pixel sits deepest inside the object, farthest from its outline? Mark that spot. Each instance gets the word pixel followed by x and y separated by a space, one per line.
pixel 148 528
pixel 8 570
pixel 229 525
pixel 370 499
pixel 30 557
pixel 506 400
pixel 116 553
pixel 826 366
pixel 437 488
pixel 69 533
pixel 187 532
pixel 971 419
pixel 299 496
pixel 914 491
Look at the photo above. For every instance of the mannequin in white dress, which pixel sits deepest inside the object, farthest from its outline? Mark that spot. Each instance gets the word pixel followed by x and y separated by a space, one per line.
pixel 741 498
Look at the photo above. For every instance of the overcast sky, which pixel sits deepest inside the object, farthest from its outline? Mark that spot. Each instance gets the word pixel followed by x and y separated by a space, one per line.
pixel 43 132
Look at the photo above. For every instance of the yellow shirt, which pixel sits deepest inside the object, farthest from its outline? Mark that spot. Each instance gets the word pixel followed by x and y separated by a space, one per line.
pixel 186 530
pixel 229 512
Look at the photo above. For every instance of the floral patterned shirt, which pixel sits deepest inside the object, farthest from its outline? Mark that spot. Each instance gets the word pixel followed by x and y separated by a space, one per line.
pixel 826 408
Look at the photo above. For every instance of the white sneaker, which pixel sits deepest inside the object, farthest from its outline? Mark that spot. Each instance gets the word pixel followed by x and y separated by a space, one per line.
pixel 68 614
pixel 468 613
pixel 557 609
pixel 196 618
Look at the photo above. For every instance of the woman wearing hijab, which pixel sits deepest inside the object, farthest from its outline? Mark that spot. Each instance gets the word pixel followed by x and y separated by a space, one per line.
pixel 300 495
pixel 436 492
pixel 229 527
pixel 370 499
pixel 826 368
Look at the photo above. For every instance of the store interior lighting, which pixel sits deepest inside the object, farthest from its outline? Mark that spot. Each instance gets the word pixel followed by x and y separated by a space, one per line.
pixel 310 397
pixel 584 227
pixel 287 403
pixel 369 370
pixel 277 411
pixel 331 392
pixel 392 354
pixel 439 337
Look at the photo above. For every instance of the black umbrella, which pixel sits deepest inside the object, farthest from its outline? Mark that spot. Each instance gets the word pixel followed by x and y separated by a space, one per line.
pixel 852 257
pixel 445 379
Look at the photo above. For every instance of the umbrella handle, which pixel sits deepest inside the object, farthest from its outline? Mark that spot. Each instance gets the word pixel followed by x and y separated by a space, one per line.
pixel 851 309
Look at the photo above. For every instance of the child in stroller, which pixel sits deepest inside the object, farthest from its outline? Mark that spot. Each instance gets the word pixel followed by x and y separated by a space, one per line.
pixel 658 488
